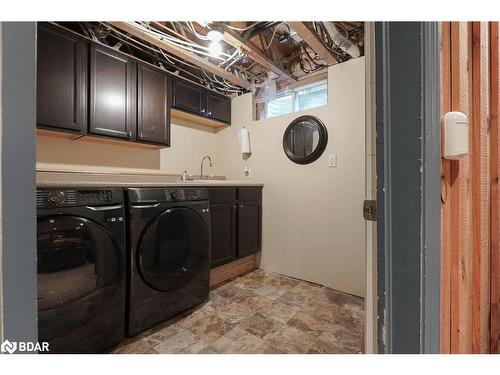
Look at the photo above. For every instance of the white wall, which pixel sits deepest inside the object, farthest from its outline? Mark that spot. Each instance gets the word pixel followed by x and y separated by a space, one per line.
pixel 312 220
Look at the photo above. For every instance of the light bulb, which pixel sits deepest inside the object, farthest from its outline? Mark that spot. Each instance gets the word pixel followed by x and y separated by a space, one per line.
pixel 215 48
pixel 214 35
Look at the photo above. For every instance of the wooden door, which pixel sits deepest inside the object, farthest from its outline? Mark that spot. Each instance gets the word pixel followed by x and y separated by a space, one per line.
pixel 469 212
pixel 153 108
pixel 113 96
pixel 219 107
pixel 249 228
pixel 189 97
pixel 61 79
pixel 223 224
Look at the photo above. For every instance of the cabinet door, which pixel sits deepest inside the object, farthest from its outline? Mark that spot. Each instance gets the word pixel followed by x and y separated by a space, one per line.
pixel 61 79
pixel 249 228
pixel 219 107
pixel 113 95
pixel 153 120
pixel 223 224
pixel 189 97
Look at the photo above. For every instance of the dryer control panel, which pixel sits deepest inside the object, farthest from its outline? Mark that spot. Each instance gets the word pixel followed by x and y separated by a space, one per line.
pixel 156 195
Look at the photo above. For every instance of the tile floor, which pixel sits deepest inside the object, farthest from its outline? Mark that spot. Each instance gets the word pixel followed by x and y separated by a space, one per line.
pixel 260 312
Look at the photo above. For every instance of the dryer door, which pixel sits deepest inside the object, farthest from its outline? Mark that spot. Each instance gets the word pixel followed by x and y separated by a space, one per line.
pixel 174 249
pixel 79 265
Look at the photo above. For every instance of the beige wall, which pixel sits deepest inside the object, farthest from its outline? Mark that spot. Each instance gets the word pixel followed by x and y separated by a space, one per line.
pixel 189 145
pixel 313 226
pixel 59 153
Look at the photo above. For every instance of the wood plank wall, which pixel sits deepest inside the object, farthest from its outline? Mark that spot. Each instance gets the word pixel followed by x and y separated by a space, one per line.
pixel 469 210
pixel 495 197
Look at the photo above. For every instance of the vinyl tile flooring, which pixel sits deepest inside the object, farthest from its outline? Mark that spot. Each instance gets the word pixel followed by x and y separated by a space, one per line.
pixel 260 313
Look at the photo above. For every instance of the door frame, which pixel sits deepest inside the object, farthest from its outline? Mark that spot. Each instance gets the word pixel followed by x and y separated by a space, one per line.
pixel 408 186
pixel 18 212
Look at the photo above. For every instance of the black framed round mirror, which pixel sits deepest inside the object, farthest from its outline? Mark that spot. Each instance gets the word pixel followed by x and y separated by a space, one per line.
pixel 305 139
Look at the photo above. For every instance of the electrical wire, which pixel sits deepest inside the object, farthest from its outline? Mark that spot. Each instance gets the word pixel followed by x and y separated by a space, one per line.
pixel 274 34
pixel 244 28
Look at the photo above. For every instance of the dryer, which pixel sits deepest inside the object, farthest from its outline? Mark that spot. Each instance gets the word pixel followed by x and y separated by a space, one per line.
pixel 81 269
pixel 169 261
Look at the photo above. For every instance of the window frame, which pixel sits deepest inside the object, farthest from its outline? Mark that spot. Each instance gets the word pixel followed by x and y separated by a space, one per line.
pixel 263 115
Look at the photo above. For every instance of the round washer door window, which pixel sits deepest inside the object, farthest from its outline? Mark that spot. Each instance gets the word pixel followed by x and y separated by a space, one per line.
pixel 79 267
pixel 174 248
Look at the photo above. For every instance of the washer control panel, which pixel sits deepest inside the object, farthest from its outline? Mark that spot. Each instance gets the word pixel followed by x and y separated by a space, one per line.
pixel 47 198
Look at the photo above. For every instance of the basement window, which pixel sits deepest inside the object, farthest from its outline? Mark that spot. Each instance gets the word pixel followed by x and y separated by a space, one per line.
pixel 298 99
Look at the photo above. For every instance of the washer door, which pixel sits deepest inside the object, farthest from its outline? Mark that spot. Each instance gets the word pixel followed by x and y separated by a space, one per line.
pixel 173 249
pixel 79 265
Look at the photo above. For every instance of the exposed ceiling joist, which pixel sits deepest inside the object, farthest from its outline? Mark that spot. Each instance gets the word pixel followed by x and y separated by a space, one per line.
pixel 181 53
pixel 255 54
pixel 313 41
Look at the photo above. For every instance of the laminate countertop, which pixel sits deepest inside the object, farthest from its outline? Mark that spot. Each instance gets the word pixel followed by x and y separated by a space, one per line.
pixel 87 179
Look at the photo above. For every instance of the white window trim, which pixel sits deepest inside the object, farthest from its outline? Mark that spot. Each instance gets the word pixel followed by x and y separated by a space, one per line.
pixel 293 92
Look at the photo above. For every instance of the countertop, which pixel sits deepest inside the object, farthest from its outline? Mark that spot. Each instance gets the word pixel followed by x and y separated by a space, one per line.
pixel 89 179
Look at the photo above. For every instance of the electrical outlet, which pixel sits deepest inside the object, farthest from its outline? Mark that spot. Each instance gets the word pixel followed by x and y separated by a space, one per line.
pixel 332 160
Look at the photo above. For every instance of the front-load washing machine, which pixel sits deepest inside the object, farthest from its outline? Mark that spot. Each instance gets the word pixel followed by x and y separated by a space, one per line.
pixel 169 260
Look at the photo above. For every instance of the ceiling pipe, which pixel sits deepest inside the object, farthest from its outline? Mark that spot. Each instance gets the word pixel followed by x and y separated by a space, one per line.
pixel 341 40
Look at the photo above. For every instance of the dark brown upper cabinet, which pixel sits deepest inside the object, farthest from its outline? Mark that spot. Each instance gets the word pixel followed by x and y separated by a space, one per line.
pixel 61 80
pixel 219 107
pixel 153 109
pixel 199 101
pixel 113 95
pixel 189 97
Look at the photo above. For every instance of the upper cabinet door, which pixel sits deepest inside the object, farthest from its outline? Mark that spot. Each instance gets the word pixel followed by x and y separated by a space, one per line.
pixel 219 107
pixel 61 80
pixel 189 97
pixel 113 93
pixel 153 120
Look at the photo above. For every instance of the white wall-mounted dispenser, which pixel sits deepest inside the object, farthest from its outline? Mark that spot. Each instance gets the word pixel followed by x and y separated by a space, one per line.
pixel 245 142
pixel 455 142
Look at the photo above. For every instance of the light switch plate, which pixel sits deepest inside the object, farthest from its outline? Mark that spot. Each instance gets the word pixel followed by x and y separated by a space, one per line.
pixel 332 160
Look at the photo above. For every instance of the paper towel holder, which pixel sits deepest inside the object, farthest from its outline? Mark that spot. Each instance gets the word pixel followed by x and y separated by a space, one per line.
pixel 245 147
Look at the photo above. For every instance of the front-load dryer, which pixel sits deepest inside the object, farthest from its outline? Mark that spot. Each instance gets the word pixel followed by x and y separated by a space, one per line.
pixel 81 268
pixel 169 260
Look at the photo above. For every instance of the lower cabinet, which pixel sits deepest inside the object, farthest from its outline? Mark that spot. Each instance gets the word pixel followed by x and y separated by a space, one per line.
pixel 236 223
pixel 223 224
pixel 249 228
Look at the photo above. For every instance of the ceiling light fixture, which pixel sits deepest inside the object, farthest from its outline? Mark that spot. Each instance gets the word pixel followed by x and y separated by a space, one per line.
pixel 215 48
pixel 214 35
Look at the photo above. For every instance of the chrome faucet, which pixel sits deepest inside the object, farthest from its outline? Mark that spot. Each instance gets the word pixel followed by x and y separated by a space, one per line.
pixel 201 169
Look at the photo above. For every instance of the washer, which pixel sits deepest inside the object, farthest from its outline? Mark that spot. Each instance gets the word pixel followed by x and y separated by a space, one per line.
pixel 81 269
pixel 170 253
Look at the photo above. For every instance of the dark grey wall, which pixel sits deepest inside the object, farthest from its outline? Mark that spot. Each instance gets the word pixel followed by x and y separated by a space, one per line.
pixel 18 181
pixel 408 181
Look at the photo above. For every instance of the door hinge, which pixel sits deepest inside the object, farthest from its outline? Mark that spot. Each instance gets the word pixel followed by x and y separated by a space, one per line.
pixel 370 210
